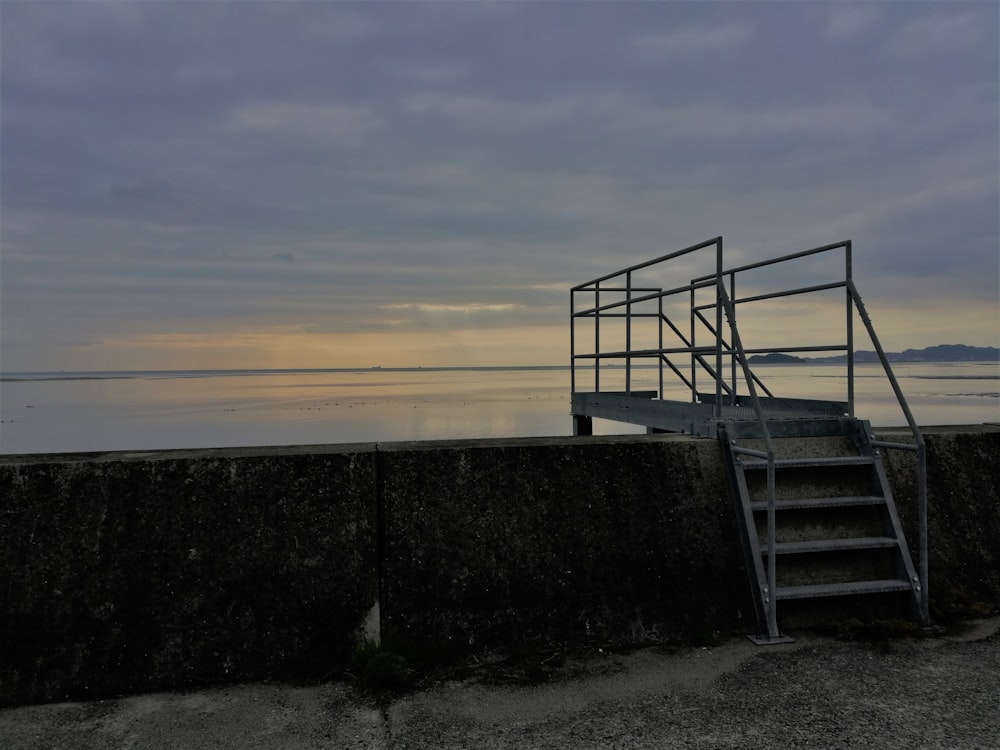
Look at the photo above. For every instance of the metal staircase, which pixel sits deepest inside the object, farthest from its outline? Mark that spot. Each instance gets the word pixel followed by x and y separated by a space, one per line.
pixel 814 505
pixel 828 527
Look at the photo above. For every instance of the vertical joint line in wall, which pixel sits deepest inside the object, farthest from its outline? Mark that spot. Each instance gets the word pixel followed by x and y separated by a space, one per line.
pixel 379 536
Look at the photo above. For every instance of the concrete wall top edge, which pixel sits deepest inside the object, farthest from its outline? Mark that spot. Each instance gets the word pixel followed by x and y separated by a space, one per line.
pixel 524 442
pixel 331 448
pixel 185 453
pixel 944 429
pixel 416 445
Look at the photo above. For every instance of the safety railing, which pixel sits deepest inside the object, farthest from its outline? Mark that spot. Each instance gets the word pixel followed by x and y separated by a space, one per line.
pixel 629 302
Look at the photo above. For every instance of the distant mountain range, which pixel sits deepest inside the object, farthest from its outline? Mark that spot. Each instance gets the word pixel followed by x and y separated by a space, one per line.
pixel 940 353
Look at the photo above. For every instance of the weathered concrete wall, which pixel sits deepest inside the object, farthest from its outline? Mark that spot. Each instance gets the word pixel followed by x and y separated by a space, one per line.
pixel 963 499
pixel 125 572
pixel 558 540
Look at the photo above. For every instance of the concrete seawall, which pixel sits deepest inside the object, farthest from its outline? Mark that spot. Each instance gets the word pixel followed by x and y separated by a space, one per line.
pixel 125 572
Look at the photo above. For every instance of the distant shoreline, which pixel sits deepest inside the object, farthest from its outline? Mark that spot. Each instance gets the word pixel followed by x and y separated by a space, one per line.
pixel 940 354
pixel 766 360
pixel 165 374
pixel 929 355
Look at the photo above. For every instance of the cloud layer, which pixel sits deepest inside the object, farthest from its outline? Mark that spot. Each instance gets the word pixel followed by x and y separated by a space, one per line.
pixel 329 184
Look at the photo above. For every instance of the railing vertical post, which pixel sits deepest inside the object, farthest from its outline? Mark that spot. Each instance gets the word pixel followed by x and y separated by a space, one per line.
pixel 848 274
pixel 719 292
pixel 597 337
pixel 659 301
pixel 772 573
pixel 628 334
pixel 772 557
pixel 572 341
pixel 925 614
pixel 732 295
pixel 693 335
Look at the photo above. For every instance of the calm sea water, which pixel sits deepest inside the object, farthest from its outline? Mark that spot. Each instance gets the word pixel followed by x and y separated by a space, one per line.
pixel 69 412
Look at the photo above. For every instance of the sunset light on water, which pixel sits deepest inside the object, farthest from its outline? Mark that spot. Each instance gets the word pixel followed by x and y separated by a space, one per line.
pixel 60 412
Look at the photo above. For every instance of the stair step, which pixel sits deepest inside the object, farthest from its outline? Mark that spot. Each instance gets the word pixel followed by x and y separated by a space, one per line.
pixel 831 545
pixel 816 591
pixel 793 463
pixel 835 500
pixel 819 502
pixel 791 428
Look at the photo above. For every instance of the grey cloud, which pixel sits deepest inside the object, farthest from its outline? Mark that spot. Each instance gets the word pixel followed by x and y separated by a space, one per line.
pixel 440 151
pixel 942 33
pixel 688 42
pixel 154 191
pixel 846 22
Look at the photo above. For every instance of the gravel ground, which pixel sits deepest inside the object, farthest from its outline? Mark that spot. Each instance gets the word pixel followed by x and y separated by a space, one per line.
pixel 818 692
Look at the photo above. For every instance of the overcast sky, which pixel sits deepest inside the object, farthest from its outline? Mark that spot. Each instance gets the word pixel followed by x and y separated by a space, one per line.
pixel 332 184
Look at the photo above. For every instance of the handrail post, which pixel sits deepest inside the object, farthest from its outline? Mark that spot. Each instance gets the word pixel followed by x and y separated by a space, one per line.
pixel 925 613
pixel 849 279
pixel 772 557
pixel 597 337
pixel 693 345
pixel 628 334
pixel 659 359
pixel 720 292
pixel 572 341
pixel 772 567
pixel 732 295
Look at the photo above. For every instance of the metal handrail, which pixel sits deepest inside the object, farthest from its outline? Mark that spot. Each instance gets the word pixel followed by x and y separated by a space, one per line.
pixel 782 258
pixel 918 445
pixel 855 303
pixel 658 294
pixel 769 594
pixel 647 264
pixel 598 310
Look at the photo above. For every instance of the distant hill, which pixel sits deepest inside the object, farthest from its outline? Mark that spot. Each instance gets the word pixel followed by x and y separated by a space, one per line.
pixel 775 358
pixel 939 353
pixel 951 353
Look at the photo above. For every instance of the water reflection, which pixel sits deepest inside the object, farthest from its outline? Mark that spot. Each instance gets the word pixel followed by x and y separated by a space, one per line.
pixel 244 409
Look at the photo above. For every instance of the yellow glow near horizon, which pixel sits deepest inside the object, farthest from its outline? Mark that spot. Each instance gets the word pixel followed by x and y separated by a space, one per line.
pixel 782 323
pixel 290 348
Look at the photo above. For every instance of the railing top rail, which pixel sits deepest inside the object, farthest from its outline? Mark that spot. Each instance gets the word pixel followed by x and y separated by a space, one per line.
pixel 658 294
pixel 775 295
pixel 791 292
pixel 782 259
pixel 622 289
pixel 653 262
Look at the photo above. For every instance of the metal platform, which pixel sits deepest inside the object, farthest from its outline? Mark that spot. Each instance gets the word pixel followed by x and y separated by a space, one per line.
pixel 699 418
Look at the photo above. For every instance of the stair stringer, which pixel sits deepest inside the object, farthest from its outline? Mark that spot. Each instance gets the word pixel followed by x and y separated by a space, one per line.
pixel 865 438
pixel 747 527
pixel 868 453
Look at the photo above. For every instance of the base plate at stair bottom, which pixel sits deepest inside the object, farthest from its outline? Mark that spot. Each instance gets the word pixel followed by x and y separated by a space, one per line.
pixel 766 640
